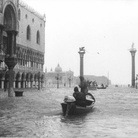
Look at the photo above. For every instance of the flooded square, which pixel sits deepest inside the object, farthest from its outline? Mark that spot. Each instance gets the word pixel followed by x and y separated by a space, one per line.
pixel 39 114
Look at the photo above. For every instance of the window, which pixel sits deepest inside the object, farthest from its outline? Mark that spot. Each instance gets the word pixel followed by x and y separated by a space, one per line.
pixel 28 35
pixel 26 16
pixel 38 38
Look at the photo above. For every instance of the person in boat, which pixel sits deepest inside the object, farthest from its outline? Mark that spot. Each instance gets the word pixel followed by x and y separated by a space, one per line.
pixel 83 85
pixel 80 97
pixel 102 85
pixel 84 88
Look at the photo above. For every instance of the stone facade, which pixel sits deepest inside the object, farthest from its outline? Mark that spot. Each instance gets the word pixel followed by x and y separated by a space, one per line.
pixel 22 45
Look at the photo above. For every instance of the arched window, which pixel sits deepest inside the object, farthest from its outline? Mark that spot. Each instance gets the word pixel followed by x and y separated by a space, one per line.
pixel 38 38
pixel 28 33
pixel 19 14
pixel 26 16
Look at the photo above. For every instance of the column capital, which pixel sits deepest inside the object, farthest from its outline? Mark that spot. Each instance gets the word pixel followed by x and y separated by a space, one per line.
pixel 10 61
pixel 12 32
pixel 133 53
pixel 81 51
pixel 133 50
pixel 1 26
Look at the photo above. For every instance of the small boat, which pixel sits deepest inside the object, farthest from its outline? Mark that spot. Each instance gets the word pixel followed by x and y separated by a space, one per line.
pixel 69 106
pixel 92 85
pixel 102 87
pixel 92 88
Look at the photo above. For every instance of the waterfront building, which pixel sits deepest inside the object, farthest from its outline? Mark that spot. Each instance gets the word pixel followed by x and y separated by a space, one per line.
pixel 22 45
pixel 59 78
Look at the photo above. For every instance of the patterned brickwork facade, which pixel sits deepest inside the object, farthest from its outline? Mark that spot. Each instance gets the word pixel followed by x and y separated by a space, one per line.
pixel 22 45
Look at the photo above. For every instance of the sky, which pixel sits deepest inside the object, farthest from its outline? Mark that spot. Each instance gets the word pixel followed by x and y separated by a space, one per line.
pixel 106 28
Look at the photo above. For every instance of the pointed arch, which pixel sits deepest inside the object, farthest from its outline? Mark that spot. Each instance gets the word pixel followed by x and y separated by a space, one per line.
pixel 19 14
pixel 38 37
pixel 10 21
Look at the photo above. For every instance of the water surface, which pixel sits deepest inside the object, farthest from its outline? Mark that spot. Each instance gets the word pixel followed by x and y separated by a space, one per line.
pixel 39 114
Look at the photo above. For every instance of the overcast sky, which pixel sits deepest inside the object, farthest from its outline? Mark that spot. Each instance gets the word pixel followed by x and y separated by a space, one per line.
pixel 106 28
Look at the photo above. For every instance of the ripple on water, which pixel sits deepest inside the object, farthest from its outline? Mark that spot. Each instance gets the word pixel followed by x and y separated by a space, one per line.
pixel 38 114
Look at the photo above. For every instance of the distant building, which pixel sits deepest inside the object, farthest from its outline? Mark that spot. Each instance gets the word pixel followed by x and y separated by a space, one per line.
pixel 99 79
pixel 16 16
pixel 59 78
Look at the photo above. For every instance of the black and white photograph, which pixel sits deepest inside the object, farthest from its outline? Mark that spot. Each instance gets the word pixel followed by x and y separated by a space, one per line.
pixel 68 68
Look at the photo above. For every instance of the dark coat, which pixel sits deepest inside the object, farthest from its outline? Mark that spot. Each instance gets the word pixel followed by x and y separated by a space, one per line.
pixel 80 98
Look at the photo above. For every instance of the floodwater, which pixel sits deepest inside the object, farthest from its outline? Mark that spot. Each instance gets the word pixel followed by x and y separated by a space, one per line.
pixel 39 114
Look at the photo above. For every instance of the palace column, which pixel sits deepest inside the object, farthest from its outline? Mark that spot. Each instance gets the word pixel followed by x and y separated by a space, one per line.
pixel 19 83
pixel 39 80
pixel 133 51
pixel 10 58
pixel 2 54
pixel 23 84
pixel 24 80
pixel 31 80
pixel 14 84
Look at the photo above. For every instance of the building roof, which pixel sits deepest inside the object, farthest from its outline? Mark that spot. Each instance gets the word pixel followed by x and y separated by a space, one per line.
pixel 58 69
pixel 30 9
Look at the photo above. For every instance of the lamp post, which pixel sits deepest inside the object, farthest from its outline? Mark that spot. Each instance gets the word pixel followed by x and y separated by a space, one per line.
pixel 57 78
pixel 133 51
pixel 70 79
pixel 81 52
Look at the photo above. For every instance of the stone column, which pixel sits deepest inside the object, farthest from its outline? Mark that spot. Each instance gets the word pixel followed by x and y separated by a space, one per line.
pixel 39 79
pixel 28 84
pixel 23 84
pixel 81 52
pixel 133 51
pixel 2 54
pixel 31 84
pixel 19 84
pixel 14 84
pixel 11 59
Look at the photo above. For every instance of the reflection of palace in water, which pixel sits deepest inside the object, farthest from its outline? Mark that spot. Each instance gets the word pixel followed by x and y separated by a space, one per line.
pixel 22 44
pixel 59 78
